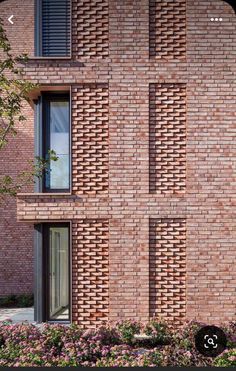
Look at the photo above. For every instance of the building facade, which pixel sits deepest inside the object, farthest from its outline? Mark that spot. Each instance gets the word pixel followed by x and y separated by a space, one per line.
pixel 137 217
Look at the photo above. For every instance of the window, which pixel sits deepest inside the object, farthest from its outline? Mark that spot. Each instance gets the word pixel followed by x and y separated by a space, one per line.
pixel 56 137
pixel 53 28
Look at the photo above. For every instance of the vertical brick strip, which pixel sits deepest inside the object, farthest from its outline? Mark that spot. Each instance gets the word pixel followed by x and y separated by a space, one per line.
pixel 90 28
pixel 167 29
pixel 90 262
pixel 90 139
pixel 167 138
pixel 167 269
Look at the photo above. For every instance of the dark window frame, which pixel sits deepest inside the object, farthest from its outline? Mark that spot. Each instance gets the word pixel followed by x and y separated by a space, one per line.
pixel 45 271
pixel 48 97
pixel 38 33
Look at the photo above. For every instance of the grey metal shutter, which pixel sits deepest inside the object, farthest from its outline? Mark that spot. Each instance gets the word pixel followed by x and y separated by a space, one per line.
pixel 55 27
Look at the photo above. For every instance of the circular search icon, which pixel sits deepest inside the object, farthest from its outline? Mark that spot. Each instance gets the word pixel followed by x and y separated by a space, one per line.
pixel 210 341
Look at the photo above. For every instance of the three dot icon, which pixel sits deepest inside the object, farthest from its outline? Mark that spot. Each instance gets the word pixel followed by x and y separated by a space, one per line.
pixel 216 19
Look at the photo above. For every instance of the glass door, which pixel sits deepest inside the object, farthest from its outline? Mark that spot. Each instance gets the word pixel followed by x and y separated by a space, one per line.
pixel 57 292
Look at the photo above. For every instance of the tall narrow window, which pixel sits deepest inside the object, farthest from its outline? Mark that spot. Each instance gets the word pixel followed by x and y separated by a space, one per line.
pixel 56 272
pixel 56 137
pixel 53 28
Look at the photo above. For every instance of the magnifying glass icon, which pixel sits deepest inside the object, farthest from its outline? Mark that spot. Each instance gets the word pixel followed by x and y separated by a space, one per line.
pixel 210 341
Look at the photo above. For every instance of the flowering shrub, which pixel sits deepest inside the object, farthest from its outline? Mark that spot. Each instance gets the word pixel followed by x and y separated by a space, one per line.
pixel 125 356
pixel 27 345
pixel 159 331
pixel 127 330
pixel 226 359
pixel 230 331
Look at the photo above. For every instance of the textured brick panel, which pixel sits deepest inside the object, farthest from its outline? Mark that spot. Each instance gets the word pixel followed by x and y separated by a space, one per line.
pixel 90 257
pixel 167 268
pixel 167 138
pixel 90 138
pixel 167 29
pixel 90 28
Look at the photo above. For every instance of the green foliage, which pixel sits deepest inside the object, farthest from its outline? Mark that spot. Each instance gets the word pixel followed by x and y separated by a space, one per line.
pixel 226 359
pixel 18 301
pixel 14 92
pixel 230 331
pixel 122 356
pixel 159 332
pixel 24 345
pixel 14 89
pixel 25 300
pixel 127 330
pixel 185 337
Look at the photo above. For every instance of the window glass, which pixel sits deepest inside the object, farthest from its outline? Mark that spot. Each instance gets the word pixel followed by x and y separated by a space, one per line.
pixel 59 273
pixel 57 138
pixel 59 142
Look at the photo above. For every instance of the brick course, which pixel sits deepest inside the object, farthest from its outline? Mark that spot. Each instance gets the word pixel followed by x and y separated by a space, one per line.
pixel 90 30
pixel 90 272
pixel 167 29
pixel 167 264
pixel 205 65
pixel 167 138
pixel 90 173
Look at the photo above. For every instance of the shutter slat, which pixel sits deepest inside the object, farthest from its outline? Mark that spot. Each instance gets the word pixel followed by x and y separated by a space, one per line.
pixel 56 27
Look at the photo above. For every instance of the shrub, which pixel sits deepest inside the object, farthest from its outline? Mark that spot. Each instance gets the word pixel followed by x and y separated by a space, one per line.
pixel 159 331
pixel 25 300
pixel 226 359
pixel 230 332
pixel 185 336
pixel 178 356
pixel 19 301
pixel 126 356
pixel 55 345
pixel 7 301
pixel 127 329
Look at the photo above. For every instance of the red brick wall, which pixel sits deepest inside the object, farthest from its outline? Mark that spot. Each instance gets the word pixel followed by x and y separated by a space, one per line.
pixel 167 138
pixel 205 65
pixel 90 271
pixel 167 26
pixel 167 264
pixel 16 240
pixel 90 163
pixel 21 33
pixel 90 29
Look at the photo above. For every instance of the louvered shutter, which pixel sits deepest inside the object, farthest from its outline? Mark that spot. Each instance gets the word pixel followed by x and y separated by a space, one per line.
pixel 55 24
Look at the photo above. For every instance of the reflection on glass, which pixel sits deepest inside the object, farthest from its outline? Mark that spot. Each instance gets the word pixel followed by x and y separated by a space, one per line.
pixel 59 273
pixel 59 142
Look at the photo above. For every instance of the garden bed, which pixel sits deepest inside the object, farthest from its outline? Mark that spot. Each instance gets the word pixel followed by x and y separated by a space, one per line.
pixel 126 344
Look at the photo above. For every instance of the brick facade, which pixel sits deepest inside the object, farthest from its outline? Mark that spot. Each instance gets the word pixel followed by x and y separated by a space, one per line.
pixel 167 138
pixel 90 271
pixel 164 206
pixel 90 165
pixel 167 264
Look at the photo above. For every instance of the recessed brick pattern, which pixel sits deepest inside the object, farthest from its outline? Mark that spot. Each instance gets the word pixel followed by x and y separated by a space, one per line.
pixel 167 266
pixel 167 29
pixel 90 269
pixel 90 138
pixel 90 28
pixel 208 203
pixel 167 138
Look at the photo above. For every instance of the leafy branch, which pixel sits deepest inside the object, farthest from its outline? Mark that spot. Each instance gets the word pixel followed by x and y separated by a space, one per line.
pixel 14 92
